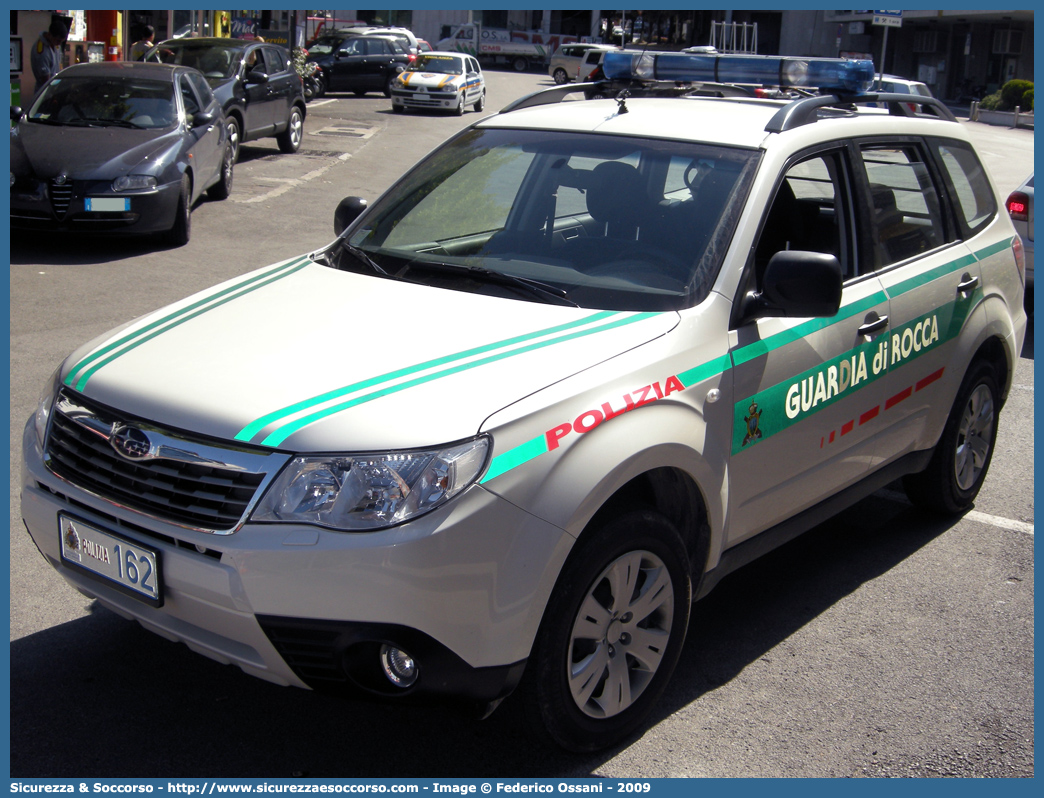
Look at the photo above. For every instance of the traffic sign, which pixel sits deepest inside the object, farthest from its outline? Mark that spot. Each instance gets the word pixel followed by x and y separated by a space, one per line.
pixel 890 19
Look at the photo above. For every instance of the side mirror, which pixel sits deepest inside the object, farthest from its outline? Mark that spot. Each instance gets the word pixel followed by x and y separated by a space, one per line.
pixel 16 113
pixel 798 284
pixel 257 75
pixel 348 211
pixel 203 118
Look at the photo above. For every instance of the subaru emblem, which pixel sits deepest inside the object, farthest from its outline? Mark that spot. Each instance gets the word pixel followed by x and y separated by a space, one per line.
pixel 130 442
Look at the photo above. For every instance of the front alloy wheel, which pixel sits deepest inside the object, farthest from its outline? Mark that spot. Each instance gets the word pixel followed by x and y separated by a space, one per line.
pixel 612 632
pixel 620 634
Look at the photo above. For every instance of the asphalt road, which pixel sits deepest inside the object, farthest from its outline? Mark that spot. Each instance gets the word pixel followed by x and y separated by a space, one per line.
pixel 883 643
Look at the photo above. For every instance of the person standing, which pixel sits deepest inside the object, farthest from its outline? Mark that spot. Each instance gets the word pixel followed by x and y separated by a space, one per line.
pixel 144 44
pixel 46 56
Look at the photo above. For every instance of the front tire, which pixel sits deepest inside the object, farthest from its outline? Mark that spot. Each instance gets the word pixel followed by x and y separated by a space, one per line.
pixel 962 456
pixel 612 633
pixel 181 231
pixel 221 189
pixel 290 139
pixel 232 126
pixel 480 103
pixel 459 111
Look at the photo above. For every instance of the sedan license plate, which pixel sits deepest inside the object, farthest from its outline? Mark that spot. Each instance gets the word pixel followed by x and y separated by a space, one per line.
pixel 107 204
pixel 123 564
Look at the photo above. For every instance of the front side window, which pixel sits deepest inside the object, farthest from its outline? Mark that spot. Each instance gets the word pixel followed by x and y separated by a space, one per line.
pixel 605 221
pixel 808 213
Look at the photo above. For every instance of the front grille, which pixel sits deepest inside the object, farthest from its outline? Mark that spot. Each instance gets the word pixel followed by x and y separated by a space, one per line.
pixel 191 489
pixel 61 196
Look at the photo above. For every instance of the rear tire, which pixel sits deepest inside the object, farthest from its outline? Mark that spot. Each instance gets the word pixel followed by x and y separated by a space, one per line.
pixel 561 76
pixel 962 456
pixel 612 633
pixel 289 140
pixel 520 64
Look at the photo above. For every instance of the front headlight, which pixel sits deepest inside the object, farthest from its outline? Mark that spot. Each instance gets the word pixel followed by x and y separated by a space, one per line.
pixel 370 491
pixel 44 405
pixel 134 183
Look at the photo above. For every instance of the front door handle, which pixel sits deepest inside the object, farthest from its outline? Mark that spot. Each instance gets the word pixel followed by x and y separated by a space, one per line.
pixel 873 324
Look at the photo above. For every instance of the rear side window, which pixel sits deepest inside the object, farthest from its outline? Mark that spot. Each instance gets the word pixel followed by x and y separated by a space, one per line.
pixel 904 203
pixel 973 196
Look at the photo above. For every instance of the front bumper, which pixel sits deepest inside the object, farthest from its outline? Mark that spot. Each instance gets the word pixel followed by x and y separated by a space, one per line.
pixel 34 208
pixel 436 100
pixel 462 589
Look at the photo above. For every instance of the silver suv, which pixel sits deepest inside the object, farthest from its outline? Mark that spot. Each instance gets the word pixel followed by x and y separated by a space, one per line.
pixel 577 365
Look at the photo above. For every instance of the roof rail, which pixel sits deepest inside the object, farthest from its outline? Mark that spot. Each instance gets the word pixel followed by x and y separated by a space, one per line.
pixel 555 94
pixel 805 111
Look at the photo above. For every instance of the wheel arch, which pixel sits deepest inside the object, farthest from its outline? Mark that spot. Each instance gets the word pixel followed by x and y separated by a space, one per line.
pixel 633 459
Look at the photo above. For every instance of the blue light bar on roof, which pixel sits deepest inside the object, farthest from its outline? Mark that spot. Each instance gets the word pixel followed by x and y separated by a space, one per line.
pixel 824 74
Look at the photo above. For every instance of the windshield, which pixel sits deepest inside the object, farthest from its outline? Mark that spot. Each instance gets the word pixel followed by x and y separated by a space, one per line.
pixel 215 61
pixel 608 222
pixel 95 101
pixel 443 64
pixel 325 45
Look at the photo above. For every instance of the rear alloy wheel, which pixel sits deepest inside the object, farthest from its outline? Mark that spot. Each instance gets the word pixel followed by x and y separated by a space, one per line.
pixel 561 76
pixel 963 454
pixel 181 230
pixel 290 139
pixel 223 187
pixel 612 633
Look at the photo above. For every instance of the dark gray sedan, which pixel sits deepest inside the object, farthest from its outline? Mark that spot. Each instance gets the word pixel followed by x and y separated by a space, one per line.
pixel 118 148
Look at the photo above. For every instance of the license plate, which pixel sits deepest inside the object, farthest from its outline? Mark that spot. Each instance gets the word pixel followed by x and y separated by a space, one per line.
pixel 107 204
pixel 128 566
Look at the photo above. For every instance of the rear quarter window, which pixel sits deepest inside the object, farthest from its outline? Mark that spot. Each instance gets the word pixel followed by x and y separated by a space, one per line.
pixel 972 194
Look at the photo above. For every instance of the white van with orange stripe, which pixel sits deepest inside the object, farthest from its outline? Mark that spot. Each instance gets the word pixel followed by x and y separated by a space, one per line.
pixel 577 365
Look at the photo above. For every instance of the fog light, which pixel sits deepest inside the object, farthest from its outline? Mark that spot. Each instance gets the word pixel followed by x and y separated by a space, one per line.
pixel 399 667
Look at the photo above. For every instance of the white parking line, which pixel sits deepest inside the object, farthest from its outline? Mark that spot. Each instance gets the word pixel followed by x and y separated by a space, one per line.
pixel 316 104
pixel 972 515
pixel 288 183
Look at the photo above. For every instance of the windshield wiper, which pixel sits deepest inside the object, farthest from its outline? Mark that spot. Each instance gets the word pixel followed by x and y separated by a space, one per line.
pixel 361 256
pixel 93 121
pixel 530 286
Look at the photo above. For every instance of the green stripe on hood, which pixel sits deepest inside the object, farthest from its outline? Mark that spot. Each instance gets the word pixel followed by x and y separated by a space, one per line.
pixel 149 331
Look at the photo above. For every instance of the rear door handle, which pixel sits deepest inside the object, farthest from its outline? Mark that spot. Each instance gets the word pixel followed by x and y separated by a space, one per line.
pixel 967 283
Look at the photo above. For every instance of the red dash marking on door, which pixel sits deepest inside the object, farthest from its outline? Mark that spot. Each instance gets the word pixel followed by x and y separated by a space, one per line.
pixel 869 414
pixel 847 427
pixel 930 379
pixel 905 394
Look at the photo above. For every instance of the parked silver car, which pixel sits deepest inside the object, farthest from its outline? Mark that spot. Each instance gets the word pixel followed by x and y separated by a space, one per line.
pixel 567 58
